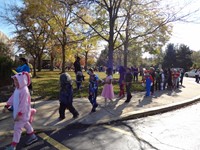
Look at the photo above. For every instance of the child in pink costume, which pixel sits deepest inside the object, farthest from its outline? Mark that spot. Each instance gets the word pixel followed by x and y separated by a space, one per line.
pixel 22 111
pixel 107 92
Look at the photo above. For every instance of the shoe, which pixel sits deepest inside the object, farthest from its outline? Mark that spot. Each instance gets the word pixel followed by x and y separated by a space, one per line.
pixel 10 148
pixel 127 101
pixel 33 138
pixel 61 118
pixel 93 110
pixel 75 116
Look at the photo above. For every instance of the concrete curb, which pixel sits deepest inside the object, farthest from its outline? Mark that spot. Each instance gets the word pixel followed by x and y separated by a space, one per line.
pixel 150 111
pixel 157 110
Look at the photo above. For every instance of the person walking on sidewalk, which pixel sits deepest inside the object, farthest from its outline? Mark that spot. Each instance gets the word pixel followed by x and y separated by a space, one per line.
pixel 128 81
pixel 22 112
pixel 78 72
pixel 148 82
pixel 66 96
pixel 93 89
pixel 24 66
pixel 107 91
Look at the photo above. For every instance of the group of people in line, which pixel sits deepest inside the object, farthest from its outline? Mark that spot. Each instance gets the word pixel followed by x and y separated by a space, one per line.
pixel 21 99
pixel 159 79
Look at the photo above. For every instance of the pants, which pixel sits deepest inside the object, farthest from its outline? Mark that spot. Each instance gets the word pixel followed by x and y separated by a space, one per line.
pixel 18 129
pixel 70 107
pixel 135 77
pixel 152 88
pixel 158 85
pixel 78 84
pixel 93 97
pixel 30 87
pixel 148 87
pixel 128 89
pixel 121 87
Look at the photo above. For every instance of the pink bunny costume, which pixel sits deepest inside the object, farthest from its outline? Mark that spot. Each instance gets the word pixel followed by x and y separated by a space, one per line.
pixel 21 102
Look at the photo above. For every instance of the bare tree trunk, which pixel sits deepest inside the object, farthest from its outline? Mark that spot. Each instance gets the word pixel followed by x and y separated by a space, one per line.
pixel 86 60
pixel 39 63
pixel 52 62
pixel 111 43
pixel 34 67
pixel 63 58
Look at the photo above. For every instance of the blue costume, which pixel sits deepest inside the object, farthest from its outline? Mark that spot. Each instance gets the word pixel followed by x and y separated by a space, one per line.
pixel 93 89
pixel 148 85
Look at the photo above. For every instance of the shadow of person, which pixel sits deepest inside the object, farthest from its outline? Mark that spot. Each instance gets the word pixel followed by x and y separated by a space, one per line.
pixel 145 101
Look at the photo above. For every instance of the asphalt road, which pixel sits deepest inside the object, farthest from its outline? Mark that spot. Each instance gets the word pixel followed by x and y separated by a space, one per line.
pixel 176 130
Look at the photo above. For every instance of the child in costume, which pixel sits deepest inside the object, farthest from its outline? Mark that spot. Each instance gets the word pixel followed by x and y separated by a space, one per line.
pixel 22 111
pixel 148 82
pixel 122 72
pixel 93 89
pixel 66 96
pixel 107 91
pixel 128 81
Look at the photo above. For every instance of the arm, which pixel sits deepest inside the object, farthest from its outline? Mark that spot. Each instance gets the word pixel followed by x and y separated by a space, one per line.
pixel 8 104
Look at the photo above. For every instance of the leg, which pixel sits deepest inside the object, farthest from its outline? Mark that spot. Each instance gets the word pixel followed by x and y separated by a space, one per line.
pixel 137 77
pixel 72 110
pixel 17 131
pixel 62 111
pixel 128 91
pixel 32 137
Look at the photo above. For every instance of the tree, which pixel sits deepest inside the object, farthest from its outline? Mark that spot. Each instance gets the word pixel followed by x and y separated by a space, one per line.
pixel 105 28
pixel 103 58
pixel 169 59
pixel 196 59
pixel 4 49
pixel 179 56
pixel 110 18
pixel 184 57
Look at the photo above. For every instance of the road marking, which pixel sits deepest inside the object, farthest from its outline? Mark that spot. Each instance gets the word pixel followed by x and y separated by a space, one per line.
pixel 118 130
pixel 53 142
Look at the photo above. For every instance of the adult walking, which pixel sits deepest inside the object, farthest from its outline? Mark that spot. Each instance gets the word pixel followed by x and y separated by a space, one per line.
pixel 78 72
pixel 77 65
pixel 24 67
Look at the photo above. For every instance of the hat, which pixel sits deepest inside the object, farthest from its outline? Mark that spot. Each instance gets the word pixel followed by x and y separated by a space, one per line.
pixel 23 79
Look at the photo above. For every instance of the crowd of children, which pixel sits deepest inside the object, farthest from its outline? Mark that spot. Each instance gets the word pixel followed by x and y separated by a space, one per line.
pixel 160 79
pixel 23 113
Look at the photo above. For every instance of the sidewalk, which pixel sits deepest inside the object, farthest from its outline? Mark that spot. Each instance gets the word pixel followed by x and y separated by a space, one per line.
pixel 47 114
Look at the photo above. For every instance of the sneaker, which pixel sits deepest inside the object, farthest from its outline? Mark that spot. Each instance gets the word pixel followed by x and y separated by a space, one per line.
pixel 33 138
pixel 10 148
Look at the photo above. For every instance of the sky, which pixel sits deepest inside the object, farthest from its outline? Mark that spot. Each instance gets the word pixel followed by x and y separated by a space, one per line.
pixel 183 33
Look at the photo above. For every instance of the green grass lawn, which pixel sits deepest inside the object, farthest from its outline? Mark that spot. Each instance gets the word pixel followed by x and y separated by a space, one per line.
pixel 46 85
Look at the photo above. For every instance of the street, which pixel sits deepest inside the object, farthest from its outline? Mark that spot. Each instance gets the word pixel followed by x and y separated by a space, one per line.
pixel 176 130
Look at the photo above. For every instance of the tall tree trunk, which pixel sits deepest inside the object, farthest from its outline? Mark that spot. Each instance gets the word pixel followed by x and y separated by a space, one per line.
pixel 63 58
pixel 52 62
pixel 111 41
pixel 125 54
pixel 86 60
pixel 126 43
pixel 39 63
pixel 34 67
